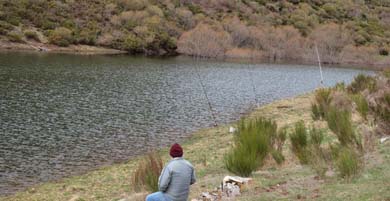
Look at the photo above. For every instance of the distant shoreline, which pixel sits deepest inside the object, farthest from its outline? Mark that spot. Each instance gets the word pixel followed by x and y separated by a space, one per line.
pixel 6 46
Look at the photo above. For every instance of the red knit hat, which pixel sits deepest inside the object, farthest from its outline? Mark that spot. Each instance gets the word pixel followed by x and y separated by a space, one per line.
pixel 176 151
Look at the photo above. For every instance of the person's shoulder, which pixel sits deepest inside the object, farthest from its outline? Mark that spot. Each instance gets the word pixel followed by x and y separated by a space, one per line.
pixel 188 163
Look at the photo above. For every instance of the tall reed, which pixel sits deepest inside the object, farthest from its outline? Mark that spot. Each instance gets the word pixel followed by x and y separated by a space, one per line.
pixel 147 173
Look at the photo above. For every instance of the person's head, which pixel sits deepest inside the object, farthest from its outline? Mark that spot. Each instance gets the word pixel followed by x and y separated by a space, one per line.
pixel 176 151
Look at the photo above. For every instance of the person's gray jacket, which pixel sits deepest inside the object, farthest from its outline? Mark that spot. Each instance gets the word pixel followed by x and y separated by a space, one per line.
pixel 176 178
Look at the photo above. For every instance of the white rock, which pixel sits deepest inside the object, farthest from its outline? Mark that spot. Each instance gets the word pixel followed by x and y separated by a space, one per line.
pixel 232 129
pixel 384 139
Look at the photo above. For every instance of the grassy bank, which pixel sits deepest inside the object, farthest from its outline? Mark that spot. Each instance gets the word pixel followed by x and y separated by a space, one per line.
pixel 206 149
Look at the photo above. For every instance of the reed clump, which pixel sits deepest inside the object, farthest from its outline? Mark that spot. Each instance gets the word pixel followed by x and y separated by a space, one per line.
pixel 147 173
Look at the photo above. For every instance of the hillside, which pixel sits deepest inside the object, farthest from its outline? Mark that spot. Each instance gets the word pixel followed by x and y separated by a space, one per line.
pixel 345 31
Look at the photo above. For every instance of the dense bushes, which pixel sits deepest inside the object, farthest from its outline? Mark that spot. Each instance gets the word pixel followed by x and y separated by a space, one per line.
pixel 362 82
pixel 204 41
pixel 275 30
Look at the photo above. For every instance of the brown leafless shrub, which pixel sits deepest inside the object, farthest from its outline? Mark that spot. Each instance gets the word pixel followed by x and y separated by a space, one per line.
pixel 238 31
pixel 204 41
pixel 244 53
pixel 330 39
pixel 363 54
pixel 282 43
pixel 105 39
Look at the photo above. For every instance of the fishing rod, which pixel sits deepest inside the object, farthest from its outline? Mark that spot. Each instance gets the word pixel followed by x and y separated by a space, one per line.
pixel 319 64
pixel 205 93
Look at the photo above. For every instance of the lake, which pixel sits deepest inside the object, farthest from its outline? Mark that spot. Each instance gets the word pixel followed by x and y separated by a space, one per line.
pixel 66 114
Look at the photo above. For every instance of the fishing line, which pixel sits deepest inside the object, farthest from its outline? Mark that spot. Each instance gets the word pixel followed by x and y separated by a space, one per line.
pixel 205 93
pixel 319 64
pixel 253 86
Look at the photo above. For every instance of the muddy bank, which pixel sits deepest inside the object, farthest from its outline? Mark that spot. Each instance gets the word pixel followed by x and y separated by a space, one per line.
pixel 72 49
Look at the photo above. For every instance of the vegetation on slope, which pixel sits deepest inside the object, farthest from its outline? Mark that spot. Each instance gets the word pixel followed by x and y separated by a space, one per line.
pixel 344 30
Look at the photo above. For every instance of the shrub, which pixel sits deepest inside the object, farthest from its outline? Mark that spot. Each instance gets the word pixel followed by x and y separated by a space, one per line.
pixel 362 82
pixel 348 162
pixel 203 41
pixel 323 99
pixel 361 105
pixel 315 112
pixel 241 161
pixel 31 35
pixel 5 27
pixel 299 142
pixel 133 44
pixel 277 156
pixel 340 86
pixel 132 4
pixel 254 140
pixel 339 121
pixel 382 110
pixel 87 37
pixel 15 37
pixel 61 37
pixel 147 173
pixel 316 137
pixel 317 161
pixel 386 73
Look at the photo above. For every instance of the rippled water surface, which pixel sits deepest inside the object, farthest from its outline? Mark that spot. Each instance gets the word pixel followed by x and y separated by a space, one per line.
pixel 65 114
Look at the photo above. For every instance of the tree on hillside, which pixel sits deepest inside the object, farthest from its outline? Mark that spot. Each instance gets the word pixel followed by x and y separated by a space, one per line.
pixel 204 41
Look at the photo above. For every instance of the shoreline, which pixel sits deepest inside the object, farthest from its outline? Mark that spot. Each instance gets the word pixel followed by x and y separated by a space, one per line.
pixel 48 48
pixel 34 47
pixel 205 149
pixel 162 150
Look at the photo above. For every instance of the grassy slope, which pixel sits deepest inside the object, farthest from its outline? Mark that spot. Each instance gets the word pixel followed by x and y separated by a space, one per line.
pixel 205 150
pixel 149 25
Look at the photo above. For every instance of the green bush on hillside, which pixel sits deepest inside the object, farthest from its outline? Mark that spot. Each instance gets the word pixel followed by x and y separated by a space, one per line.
pixel 339 121
pixel 61 36
pixel 31 35
pixel 361 105
pixel 348 163
pixel 308 150
pixel 5 27
pixel 299 142
pixel 362 82
pixel 323 99
pixel 241 160
pixel 15 37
